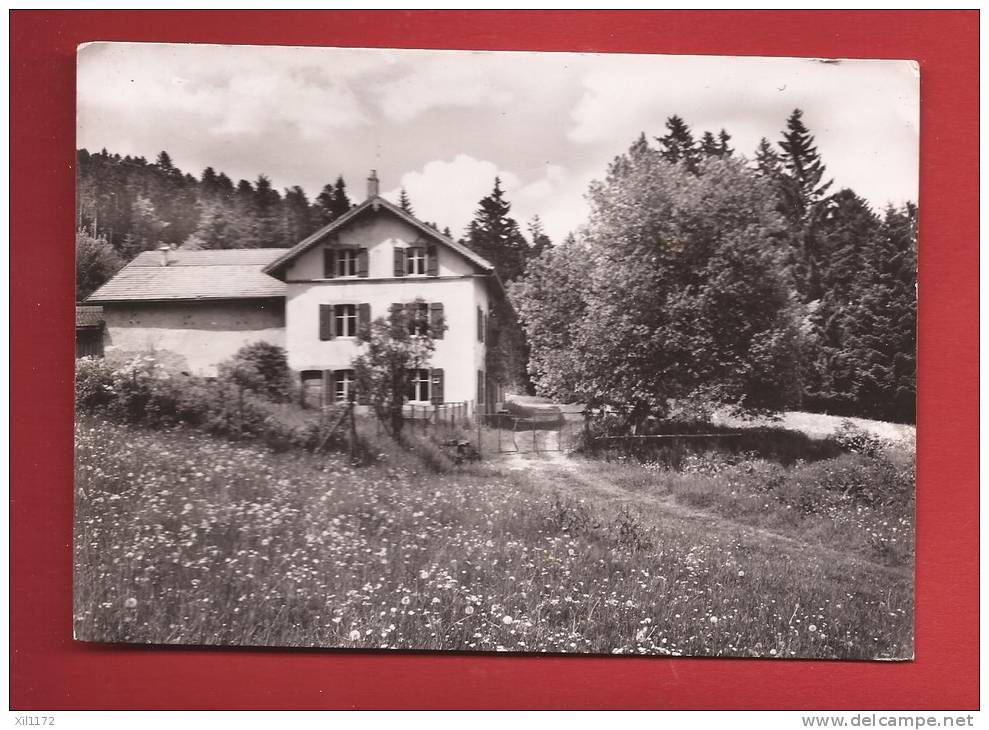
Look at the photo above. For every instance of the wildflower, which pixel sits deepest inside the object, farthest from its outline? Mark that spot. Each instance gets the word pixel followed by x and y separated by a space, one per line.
pixel 355 635
pixel 131 602
pixel 469 610
pixel 507 620
pixel 713 619
pixel 741 574
pixel 812 628
pixel 405 600
pixel 772 652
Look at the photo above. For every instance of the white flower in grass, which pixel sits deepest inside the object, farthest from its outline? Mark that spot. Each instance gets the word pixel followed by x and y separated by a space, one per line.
pixel 469 610
pixel 130 603
pixel 507 620
pixel 355 635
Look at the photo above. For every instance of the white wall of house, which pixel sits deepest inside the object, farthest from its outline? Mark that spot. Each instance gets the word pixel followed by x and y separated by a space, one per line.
pixel 192 337
pixel 459 286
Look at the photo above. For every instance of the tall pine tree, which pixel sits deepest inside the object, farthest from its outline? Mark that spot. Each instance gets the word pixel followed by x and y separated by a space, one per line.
pixel 495 235
pixel 678 145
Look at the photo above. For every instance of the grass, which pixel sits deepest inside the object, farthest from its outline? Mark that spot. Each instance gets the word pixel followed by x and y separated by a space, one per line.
pixel 185 538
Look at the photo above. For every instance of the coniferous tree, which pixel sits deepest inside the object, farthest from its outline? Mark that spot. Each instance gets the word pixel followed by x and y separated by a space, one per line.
pixel 296 215
pixel 495 235
pixel 267 213
pixel 538 240
pixel 725 149
pixel 678 145
pixel 767 159
pixel 332 202
pixel 404 203
pixel 709 145
pixel 802 166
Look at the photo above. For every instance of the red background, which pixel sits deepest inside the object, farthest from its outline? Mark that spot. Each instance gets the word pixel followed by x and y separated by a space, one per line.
pixel 48 670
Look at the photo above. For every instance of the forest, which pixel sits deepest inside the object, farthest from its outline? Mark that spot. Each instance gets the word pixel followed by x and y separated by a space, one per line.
pixel 702 276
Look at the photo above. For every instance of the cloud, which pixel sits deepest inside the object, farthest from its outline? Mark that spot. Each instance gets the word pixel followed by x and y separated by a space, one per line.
pixel 864 114
pixel 221 89
pixel 447 192
pixel 441 81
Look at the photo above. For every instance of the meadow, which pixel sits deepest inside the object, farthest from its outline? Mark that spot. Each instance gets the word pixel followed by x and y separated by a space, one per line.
pixel 186 538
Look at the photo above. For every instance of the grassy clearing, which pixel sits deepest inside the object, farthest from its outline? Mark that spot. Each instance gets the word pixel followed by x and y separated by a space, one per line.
pixel 183 538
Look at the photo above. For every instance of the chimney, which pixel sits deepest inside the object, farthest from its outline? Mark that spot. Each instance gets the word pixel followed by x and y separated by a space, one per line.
pixel 165 250
pixel 372 185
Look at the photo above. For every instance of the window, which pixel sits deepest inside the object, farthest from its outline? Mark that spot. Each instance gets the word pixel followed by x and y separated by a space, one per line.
pixel 346 262
pixel 415 261
pixel 481 324
pixel 345 320
pixel 418 385
pixel 418 318
pixel 343 385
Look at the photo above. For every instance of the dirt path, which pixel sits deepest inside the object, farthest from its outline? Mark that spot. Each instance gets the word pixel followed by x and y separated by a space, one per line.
pixel 555 471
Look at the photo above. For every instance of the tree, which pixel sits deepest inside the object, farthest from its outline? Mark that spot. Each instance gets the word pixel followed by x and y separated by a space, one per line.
pixel 678 146
pixel 332 202
pixel 550 301
pixel 495 235
pixel 538 240
pixel 96 263
pixel 145 228
pixel 767 160
pixel 267 213
pixel 404 203
pixel 682 296
pixel 296 215
pixel 724 150
pixel 802 166
pixel 393 347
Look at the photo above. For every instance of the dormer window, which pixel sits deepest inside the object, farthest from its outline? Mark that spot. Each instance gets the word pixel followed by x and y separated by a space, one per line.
pixel 415 261
pixel 346 262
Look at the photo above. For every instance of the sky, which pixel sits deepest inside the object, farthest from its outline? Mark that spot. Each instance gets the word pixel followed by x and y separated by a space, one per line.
pixel 443 124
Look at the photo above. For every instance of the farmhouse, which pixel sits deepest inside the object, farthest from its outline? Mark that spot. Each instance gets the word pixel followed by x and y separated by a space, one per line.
pixel 194 309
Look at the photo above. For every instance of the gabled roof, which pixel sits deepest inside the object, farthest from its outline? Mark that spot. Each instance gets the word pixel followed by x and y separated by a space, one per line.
pixel 375 203
pixel 194 275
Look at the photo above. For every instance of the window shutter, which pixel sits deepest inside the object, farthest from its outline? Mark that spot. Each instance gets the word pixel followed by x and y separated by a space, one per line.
pixel 329 263
pixel 329 391
pixel 363 315
pixel 436 320
pixel 480 325
pixel 436 387
pixel 480 392
pixel 326 321
pixel 399 261
pixel 362 263
pixel 432 261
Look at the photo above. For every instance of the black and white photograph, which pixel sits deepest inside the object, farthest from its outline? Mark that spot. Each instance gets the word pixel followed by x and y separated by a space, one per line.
pixel 489 351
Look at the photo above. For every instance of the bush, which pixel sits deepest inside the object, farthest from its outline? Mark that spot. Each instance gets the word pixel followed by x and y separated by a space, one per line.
pixel 261 368
pixel 857 440
pixel 141 391
pixel 94 384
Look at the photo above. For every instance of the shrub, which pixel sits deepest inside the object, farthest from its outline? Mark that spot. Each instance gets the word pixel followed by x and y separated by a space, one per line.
pixel 261 368
pixel 570 515
pixel 857 440
pixel 94 384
